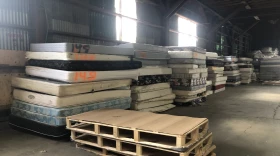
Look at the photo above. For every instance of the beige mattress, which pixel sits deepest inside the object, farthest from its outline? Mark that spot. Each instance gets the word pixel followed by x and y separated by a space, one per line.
pixel 149 88
pixel 187 54
pixel 67 101
pixel 188 71
pixel 185 76
pixel 74 56
pixel 150 95
pixel 216 68
pixel 163 98
pixel 154 71
pixel 159 108
pixel 234 72
pixel 218 79
pixel 190 66
pixel 145 105
pixel 66 89
pixel 80 76
pixel 204 74
pixel 188 93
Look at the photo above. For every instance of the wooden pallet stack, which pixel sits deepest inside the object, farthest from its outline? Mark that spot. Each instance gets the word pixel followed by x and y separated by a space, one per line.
pixel 127 132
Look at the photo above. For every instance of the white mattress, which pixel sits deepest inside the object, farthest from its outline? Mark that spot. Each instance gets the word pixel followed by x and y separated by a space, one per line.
pixel 184 76
pixel 219 83
pixel 188 71
pixel 65 89
pixel 216 68
pixel 149 88
pixel 208 83
pixel 204 74
pixel 212 54
pixel 80 48
pixel 187 54
pixel 222 78
pixel 145 105
pixel 190 66
pixel 220 90
pixel 154 71
pixel 73 100
pixel 163 98
pixel 150 95
pixel 231 72
pixel 74 56
pixel 188 93
pixel 80 76
pixel 159 108
pixel 215 72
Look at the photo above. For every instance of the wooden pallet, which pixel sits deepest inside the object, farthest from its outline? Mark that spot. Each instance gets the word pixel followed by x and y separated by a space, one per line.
pixel 105 146
pixel 160 130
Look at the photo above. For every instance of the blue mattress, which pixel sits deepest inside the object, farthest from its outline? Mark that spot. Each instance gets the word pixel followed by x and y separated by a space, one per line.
pixel 121 103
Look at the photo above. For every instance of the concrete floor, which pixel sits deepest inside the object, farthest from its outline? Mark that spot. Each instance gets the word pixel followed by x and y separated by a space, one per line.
pixel 245 121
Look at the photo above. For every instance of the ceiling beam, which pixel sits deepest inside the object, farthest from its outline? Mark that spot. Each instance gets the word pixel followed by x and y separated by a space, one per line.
pixel 175 8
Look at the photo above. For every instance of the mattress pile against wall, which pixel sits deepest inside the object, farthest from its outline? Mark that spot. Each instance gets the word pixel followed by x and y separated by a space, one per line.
pixel 246 69
pixel 151 92
pixel 269 69
pixel 67 78
pixel 189 74
pixel 216 75
pixel 232 71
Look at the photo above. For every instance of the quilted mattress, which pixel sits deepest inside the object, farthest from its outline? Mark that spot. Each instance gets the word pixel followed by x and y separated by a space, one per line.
pixel 149 88
pixel 150 95
pixel 188 88
pixel 232 73
pixel 186 54
pixel 80 76
pixel 188 82
pixel 185 76
pixel 188 71
pixel 154 71
pixel 162 98
pixel 49 115
pixel 186 48
pixel 68 101
pixel 186 61
pixel 212 54
pixel 85 65
pixel 66 89
pixel 190 66
pixel 216 68
pixel 217 79
pixel 151 55
pixel 74 56
pixel 37 127
pixel 80 48
pixel 151 79
pixel 122 103
pixel 145 105
pixel 188 93
pixel 159 108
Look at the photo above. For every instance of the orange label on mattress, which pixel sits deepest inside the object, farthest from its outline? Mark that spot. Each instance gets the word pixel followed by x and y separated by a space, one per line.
pixel 143 54
pixel 85 76
pixel 79 56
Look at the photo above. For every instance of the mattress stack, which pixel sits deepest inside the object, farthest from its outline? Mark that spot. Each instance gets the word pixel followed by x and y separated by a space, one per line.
pixel 151 92
pixel 189 73
pixel 66 79
pixel 209 90
pixel 246 69
pixel 215 67
pixel 231 70
pixel 269 69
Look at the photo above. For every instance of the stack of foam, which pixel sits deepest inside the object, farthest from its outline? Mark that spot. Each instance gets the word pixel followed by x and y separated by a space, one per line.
pixel 189 74
pixel 216 72
pixel 269 69
pixel 151 92
pixel 231 70
pixel 246 69
pixel 71 79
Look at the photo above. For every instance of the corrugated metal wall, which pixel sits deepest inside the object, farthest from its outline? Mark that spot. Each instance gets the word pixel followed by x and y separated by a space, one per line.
pixel 15 24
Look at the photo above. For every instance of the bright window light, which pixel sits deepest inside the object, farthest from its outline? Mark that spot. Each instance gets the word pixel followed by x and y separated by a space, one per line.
pixel 126 29
pixel 187 32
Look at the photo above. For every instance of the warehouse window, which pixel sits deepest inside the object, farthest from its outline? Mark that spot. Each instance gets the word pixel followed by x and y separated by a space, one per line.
pixel 187 32
pixel 126 28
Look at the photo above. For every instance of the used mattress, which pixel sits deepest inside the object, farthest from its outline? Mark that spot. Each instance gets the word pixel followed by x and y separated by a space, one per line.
pixel 150 95
pixel 80 48
pixel 230 59
pixel 190 66
pixel 74 100
pixel 151 55
pixel 40 128
pixel 187 48
pixel 159 108
pixel 188 71
pixel 152 62
pixel 244 59
pixel 185 76
pixel 217 79
pixel 122 103
pixel 80 76
pixel 246 66
pixel 188 82
pixel 186 54
pixel 149 88
pixel 212 54
pixel 66 89
pixel 186 61
pixel 154 71
pixel 212 68
pixel 188 93
pixel 151 79
pixel 74 56
pixel 162 98
pixel 215 75
pixel 219 83
pixel 85 65
pixel 216 63
pixel 218 86
pixel 232 73
pixel 188 88
pixel 250 70
pixel 145 105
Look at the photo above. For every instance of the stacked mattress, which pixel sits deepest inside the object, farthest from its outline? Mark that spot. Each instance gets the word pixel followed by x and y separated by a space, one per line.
pixel 269 69
pixel 215 67
pixel 66 79
pixel 209 90
pixel 151 92
pixel 189 73
pixel 231 70
pixel 246 69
